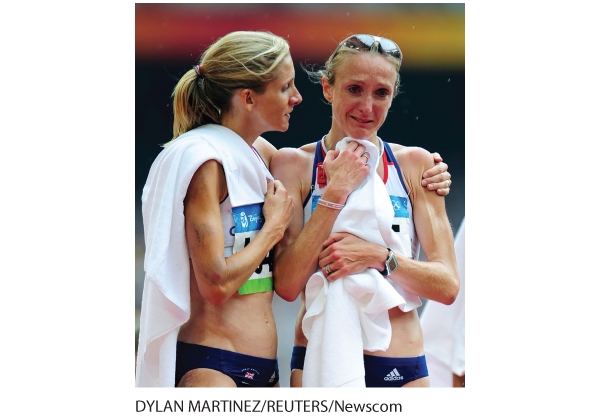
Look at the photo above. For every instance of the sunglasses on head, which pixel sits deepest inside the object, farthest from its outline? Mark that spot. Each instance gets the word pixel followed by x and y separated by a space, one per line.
pixel 364 42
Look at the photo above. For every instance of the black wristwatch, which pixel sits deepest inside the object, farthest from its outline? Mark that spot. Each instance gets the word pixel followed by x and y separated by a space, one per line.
pixel 391 264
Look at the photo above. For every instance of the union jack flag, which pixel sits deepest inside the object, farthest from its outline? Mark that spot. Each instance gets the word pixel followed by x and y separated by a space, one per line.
pixel 249 375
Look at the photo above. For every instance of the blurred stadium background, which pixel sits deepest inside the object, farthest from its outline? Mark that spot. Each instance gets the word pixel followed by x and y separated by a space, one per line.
pixel 429 112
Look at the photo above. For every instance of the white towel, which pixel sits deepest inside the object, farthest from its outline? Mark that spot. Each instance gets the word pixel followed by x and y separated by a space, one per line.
pixel 166 297
pixel 349 315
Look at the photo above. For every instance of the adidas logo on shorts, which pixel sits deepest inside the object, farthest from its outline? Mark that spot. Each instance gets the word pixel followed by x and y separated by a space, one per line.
pixel 393 376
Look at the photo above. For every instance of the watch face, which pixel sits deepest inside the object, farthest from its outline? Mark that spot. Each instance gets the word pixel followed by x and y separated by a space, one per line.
pixel 392 262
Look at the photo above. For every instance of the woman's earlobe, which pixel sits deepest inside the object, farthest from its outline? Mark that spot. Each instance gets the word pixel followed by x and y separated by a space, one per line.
pixel 327 92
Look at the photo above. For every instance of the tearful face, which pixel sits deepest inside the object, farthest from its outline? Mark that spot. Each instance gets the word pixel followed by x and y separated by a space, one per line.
pixel 362 94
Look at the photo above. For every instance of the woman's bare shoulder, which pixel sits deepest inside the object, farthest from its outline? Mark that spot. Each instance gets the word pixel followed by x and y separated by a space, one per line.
pixel 266 149
pixel 396 147
pixel 292 155
pixel 291 161
pixel 414 161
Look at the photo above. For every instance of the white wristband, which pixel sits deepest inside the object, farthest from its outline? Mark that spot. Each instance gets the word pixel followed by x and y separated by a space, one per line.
pixel 330 204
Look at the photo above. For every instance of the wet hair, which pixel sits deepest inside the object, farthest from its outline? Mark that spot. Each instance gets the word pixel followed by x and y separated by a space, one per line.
pixel 334 63
pixel 238 60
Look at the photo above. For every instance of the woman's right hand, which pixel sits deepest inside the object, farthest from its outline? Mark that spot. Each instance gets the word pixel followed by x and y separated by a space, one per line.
pixel 345 171
pixel 278 208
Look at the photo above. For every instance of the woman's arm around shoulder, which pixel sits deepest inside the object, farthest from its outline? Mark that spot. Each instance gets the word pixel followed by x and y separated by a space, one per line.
pixel 435 179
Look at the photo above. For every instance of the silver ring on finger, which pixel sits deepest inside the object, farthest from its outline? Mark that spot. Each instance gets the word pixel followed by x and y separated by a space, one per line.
pixel 328 270
pixel 365 156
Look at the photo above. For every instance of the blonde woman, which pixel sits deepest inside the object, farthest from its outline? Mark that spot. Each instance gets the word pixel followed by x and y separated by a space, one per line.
pixel 360 79
pixel 206 317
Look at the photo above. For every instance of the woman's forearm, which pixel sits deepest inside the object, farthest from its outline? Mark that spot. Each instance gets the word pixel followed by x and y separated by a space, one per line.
pixel 298 261
pixel 432 280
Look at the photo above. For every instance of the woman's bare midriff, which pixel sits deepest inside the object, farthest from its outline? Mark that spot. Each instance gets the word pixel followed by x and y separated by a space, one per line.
pixel 244 323
pixel 407 336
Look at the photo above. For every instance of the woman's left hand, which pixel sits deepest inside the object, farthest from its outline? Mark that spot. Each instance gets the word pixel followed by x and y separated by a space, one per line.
pixel 437 178
pixel 347 254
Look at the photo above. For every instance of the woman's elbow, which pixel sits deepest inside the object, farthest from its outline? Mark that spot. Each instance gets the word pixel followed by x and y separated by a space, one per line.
pixel 213 292
pixel 452 292
pixel 289 297
pixel 215 296
pixel 285 293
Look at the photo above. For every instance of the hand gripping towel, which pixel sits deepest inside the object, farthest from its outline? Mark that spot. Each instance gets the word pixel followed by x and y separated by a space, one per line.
pixel 166 296
pixel 349 315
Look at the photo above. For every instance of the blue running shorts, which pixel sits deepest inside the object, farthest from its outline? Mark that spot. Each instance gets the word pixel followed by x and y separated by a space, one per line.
pixel 244 370
pixel 379 371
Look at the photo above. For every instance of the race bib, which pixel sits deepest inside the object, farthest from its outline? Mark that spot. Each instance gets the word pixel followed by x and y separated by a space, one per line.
pixel 315 201
pixel 249 221
pixel 401 221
